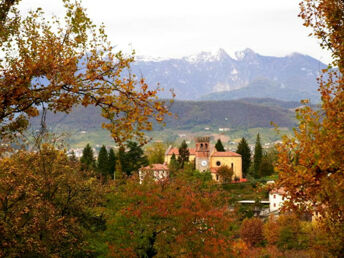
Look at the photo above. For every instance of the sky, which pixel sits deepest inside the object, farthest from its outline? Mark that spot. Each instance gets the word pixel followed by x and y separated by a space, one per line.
pixel 177 28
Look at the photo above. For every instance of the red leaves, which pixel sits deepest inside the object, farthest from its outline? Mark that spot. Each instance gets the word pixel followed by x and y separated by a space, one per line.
pixel 173 218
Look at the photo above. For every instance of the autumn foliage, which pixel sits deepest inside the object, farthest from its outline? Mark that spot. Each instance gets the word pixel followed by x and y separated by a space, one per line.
pixel 251 231
pixel 62 63
pixel 311 164
pixel 169 219
pixel 46 205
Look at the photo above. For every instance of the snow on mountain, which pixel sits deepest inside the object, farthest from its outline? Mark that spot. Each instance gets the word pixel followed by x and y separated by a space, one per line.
pixel 197 75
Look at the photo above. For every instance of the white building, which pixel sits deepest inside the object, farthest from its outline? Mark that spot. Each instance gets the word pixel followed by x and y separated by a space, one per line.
pixel 276 199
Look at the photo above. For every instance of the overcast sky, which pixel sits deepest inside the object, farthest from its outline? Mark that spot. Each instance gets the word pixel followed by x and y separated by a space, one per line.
pixel 175 28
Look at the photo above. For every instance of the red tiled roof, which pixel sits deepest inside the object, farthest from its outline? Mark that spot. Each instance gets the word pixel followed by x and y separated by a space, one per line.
pixel 192 151
pixel 156 167
pixel 213 170
pixel 225 154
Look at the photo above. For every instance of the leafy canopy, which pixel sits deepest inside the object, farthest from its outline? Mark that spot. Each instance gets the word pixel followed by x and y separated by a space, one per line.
pixel 57 64
pixel 311 164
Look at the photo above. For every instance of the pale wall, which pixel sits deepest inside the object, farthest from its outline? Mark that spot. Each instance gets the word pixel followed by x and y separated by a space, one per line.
pixel 276 201
pixel 237 164
pixel 168 158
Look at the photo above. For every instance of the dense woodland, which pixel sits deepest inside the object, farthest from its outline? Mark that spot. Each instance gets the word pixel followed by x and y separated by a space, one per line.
pixel 55 205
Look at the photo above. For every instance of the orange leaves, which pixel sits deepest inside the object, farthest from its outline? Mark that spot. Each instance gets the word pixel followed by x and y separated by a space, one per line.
pixel 311 164
pixel 65 65
pixel 170 218
pixel 43 202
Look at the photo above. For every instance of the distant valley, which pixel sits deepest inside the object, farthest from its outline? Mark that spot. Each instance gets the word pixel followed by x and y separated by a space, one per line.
pixel 233 119
pixel 244 113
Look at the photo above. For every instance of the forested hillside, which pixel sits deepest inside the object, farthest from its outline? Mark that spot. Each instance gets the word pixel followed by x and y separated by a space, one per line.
pixel 245 113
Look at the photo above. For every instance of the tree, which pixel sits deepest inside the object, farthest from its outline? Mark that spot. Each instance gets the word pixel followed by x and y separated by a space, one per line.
pixel 156 153
pixel 251 231
pixel 174 165
pixel 219 146
pixel 112 163
pixel 72 157
pixel 169 219
pixel 225 173
pixel 132 159
pixel 310 163
pixel 245 152
pixel 87 159
pixel 183 154
pixel 119 174
pixel 271 231
pixel 60 64
pixel 266 167
pixel 258 154
pixel 46 207
pixel 103 162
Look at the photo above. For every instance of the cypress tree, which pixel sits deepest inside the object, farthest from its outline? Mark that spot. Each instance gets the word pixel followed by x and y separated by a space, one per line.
pixel 219 146
pixel 183 154
pixel 245 152
pixel 119 174
pixel 112 163
pixel 87 160
pixel 103 161
pixel 258 154
pixel 173 166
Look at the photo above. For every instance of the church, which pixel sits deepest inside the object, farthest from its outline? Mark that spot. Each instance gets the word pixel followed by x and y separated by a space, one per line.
pixel 207 158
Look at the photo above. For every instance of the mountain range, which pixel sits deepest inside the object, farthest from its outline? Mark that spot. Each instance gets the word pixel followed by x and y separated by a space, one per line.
pixel 218 76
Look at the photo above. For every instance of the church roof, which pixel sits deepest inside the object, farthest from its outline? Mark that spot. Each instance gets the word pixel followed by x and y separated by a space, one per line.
pixel 192 151
pixel 225 154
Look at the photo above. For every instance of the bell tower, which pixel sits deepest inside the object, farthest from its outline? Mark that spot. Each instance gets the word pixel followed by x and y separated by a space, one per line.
pixel 202 153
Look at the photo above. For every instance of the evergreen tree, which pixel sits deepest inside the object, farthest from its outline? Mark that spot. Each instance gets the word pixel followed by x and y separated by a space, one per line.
pixel 266 166
pixel 119 174
pixel 133 159
pixel 183 154
pixel 72 157
pixel 87 160
pixel 103 161
pixel 173 166
pixel 245 152
pixel 258 154
pixel 219 146
pixel 112 163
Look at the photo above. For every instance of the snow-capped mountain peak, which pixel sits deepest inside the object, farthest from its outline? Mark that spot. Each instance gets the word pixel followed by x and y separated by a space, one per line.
pixel 241 55
pixel 208 56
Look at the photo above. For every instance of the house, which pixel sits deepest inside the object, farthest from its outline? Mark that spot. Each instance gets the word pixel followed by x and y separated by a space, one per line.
pixel 276 199
pixel 159 172
pixel 207 158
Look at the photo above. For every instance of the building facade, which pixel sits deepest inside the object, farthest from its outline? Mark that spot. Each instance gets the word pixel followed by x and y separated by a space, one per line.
pixel 206 158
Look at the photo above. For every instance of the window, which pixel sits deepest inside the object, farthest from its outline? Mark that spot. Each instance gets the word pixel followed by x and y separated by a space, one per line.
pixel 274 204
pixel 218 163
pixel 217 177
pixel 283 198
pixel 274 196
pixel 232 166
